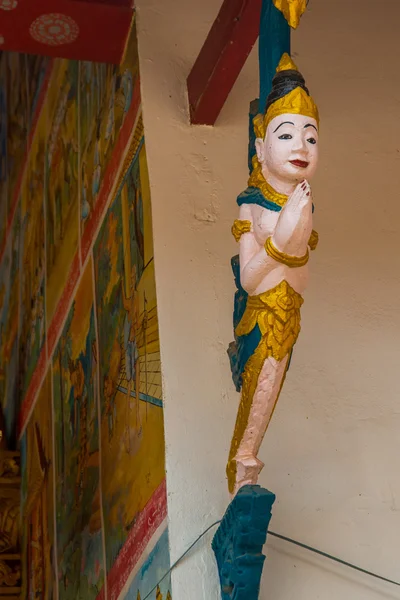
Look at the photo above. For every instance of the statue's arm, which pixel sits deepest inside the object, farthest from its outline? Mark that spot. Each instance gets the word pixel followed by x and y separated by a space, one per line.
pixel 255 263
pixel 291 235
pixel 293 229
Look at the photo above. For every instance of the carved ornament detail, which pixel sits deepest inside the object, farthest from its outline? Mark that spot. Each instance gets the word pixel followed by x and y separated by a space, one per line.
pixel 292 10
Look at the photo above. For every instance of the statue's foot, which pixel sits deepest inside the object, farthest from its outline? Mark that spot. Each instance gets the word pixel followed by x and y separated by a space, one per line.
pixel 248 469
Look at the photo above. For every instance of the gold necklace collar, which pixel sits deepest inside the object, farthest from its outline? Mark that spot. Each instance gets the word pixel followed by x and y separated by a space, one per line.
pixel 258 180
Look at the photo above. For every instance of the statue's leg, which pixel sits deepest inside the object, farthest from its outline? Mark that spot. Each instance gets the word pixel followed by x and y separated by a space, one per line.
pixel 253 420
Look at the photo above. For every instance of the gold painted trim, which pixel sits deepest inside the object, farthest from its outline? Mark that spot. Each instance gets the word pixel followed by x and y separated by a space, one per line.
pixel 291 10
pixel 239 228
pixel 258 180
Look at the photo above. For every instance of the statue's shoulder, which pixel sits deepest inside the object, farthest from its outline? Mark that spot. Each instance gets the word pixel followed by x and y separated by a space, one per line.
pixel 253 195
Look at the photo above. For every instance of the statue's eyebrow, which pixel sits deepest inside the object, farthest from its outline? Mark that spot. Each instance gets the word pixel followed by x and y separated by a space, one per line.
pixel 290 123
pixel 310 125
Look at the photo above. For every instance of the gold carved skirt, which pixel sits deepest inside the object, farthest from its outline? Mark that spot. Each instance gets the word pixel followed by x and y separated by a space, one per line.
pixel 277 313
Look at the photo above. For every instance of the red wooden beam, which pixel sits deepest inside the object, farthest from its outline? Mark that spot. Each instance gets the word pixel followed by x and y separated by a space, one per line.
pixel 221 59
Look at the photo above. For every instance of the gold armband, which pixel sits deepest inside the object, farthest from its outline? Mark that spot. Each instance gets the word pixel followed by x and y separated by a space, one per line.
pixel 285 259
pixel 313 241
pixel 239 228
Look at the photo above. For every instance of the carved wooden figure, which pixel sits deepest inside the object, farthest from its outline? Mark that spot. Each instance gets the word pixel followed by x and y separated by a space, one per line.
pixel 275 234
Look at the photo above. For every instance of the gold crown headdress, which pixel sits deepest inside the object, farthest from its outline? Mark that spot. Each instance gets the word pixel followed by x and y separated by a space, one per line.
pixel 296 102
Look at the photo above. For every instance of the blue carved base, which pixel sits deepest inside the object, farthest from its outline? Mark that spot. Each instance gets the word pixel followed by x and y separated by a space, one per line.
pixel 239 540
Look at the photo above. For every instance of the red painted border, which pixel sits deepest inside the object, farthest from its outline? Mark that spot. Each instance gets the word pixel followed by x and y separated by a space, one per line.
pixel 33 388
pixel 148 521
pixel 111 173
pixel 57 321
pixel 101 595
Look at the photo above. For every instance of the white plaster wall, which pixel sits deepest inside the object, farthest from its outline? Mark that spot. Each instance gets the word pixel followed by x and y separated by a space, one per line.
pixel 332 450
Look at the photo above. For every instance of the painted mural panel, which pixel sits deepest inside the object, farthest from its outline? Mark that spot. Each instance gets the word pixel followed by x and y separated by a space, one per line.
pixel 38 499
pixel 62 186
pixel 32 333
pixel 153 570
pixel 17 119
pixel 71 133
pixel 9 325
pixel 105 100
pixel 131 406
pixel 78 502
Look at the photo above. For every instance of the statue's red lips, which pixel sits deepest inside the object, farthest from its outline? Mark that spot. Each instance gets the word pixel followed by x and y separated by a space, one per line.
pixel 300 163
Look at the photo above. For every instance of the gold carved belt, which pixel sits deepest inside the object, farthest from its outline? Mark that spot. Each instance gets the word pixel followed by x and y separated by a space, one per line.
pixel 277 313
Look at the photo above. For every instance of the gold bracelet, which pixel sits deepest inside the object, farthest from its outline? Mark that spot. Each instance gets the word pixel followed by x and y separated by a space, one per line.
pixel 285 259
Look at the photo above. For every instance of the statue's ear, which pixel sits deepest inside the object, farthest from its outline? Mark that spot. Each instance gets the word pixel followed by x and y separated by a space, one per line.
pixel 260 149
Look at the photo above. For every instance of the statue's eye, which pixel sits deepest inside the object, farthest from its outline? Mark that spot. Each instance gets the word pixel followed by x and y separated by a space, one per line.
pixel 312 140
pixel 285 136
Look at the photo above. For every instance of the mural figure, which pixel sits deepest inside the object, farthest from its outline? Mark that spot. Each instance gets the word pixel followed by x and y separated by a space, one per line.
pixel 93 82
pixel 17 124
pixel 85 209
pixel 110 127
pixel 111 381
pixel 80 423
pixel 33 261
pixel 63 161
pixel 275 234
pixel 37 499
pixel 62 179
pixel 125 91
pixel 9 323
pixel 79 534
pixel 97 162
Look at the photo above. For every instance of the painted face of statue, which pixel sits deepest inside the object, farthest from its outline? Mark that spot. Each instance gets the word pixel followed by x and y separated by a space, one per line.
pixel 289 152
